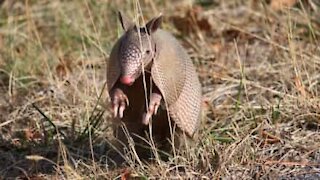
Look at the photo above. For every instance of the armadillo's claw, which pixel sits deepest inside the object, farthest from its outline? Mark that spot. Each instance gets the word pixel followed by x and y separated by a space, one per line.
pixel 127 100
pixel 156 106
pixel 115 110
pixel 153 107
pixel 146 118
pixel 119 102
pixel 121 109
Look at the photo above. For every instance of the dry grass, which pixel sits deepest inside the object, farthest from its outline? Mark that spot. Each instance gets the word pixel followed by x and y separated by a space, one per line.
pixel 259 69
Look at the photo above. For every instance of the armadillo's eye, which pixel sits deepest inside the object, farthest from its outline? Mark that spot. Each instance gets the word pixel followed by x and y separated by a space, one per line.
pixel 147 51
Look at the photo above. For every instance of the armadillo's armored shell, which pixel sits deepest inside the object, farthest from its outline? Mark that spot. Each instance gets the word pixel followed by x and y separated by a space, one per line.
pixel 175 76
pixel 113 66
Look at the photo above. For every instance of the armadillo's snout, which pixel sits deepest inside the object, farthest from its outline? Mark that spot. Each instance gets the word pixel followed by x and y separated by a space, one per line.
pixel 127 80
pixel 130 58
pixel 130 61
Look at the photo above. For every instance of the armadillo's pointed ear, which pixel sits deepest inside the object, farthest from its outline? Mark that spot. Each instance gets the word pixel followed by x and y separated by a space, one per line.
pixel 154 24
pixel 125 21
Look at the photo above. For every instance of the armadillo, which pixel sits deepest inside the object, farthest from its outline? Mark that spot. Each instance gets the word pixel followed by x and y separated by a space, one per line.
pixel 151 76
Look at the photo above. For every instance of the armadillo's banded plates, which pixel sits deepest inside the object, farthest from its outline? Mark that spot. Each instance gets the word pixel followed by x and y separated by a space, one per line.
pixel 185 111
pixel 175 76
pixel 113 66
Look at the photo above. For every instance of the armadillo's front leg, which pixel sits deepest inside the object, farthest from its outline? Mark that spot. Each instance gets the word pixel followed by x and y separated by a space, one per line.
pixel 119 101
pixel 155 100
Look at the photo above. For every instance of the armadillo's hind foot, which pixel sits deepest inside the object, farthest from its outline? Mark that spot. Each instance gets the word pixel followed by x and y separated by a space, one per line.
pixel 119 102
pixel 155 100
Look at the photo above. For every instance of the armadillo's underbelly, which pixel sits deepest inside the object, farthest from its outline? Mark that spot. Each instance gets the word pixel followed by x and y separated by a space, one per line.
pixel 133 114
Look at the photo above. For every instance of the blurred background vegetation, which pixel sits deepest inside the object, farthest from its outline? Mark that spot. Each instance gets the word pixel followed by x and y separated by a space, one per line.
pixel 258 62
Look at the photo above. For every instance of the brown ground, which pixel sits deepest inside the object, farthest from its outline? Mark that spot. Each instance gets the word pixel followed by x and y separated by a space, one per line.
pixel 258 63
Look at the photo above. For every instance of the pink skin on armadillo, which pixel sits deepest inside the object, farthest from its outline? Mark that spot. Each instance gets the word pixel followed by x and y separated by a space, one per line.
pixel 127 80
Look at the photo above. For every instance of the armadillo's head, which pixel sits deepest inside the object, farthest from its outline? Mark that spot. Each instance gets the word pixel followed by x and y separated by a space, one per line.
pixel 137 48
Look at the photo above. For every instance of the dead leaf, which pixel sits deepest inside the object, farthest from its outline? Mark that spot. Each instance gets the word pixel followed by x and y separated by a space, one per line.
pixel 282 4
pixel 230 34
pixel 125 175
pixel 192 21
pixel 16 142
pixel 28 134
pixel 269 138
pixel 217 47
pixel 64 68
pixel 32 135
